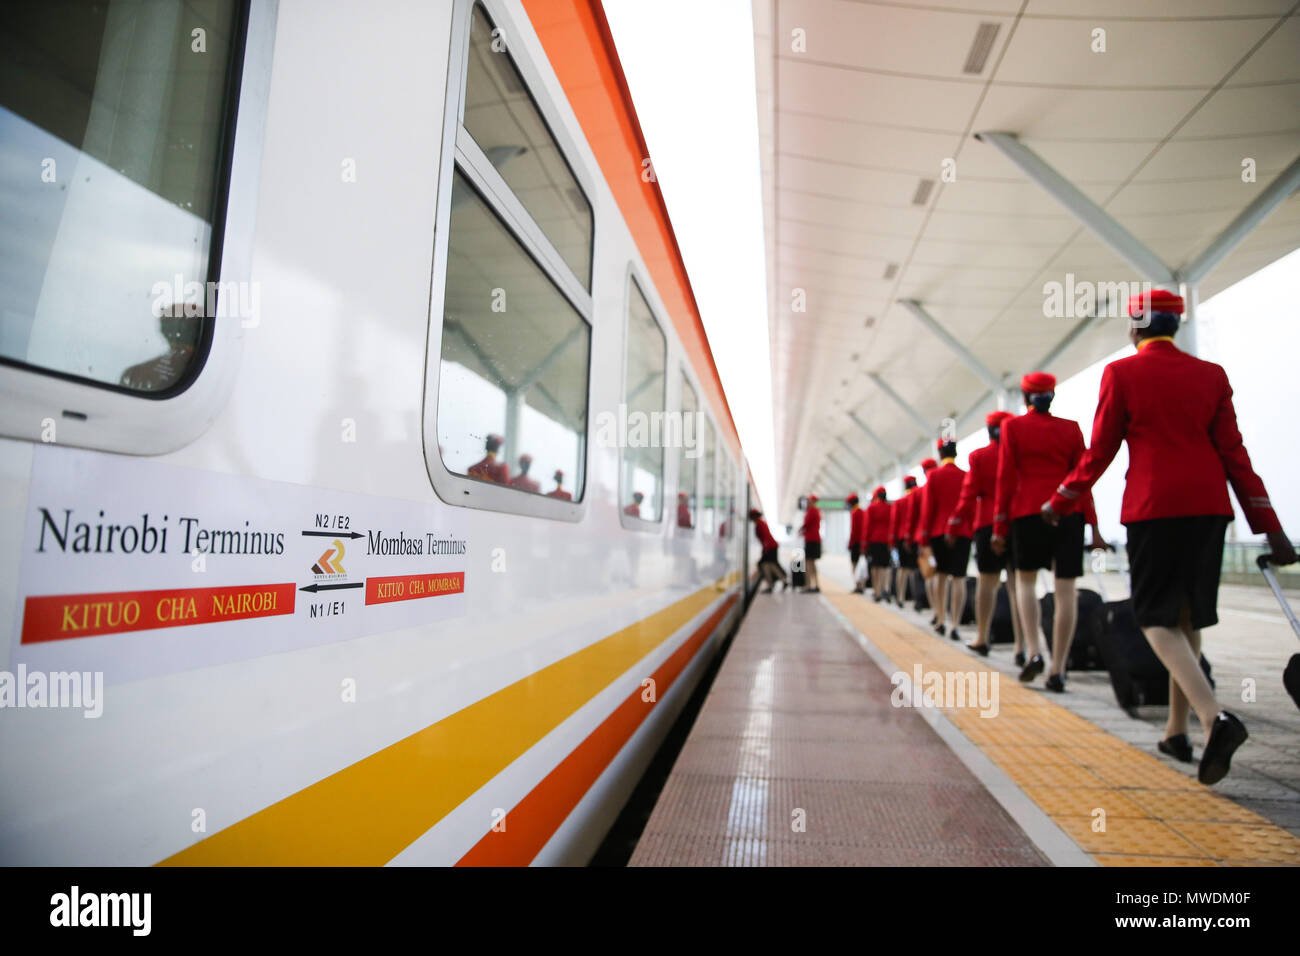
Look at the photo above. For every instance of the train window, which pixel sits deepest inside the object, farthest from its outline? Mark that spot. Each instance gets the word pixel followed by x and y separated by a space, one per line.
pixel 644 398
pixel 113 118
pixel 507 126
pixel 512 386
pixel 708 480
pixel 687 458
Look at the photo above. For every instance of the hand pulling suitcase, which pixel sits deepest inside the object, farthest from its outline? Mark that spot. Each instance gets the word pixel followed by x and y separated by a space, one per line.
pixel 1290 676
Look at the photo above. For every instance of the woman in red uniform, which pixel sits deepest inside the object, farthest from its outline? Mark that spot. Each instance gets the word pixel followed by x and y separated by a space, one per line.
pixel 901 521
pixel 876 537
pixel 975 508
pixel 1176 413
pixel 924 554
pixel 856 518
pixel 812 542
pixel 769 568
pixel 1036 451
pixel 950 544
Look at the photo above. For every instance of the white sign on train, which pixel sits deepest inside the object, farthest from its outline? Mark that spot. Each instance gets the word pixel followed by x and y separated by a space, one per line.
pixel 137 568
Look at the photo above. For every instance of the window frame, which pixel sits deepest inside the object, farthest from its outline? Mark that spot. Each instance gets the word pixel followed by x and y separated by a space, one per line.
pixel 687 377
pixel 632 278
pixel 109 417
pixel 460 153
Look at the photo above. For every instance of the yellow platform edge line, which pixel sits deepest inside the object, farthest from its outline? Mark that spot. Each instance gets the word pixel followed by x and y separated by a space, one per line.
pixel 1077 767
pixel 368 812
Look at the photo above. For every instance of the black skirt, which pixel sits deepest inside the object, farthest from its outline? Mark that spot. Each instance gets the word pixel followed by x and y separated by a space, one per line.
pixel 1175 563
pixel 1036 544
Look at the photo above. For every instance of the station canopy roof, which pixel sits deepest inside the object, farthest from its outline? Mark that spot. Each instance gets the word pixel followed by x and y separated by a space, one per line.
pixel 877 191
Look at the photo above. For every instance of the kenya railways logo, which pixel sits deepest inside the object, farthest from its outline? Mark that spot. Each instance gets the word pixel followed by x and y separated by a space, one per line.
pixel 329 566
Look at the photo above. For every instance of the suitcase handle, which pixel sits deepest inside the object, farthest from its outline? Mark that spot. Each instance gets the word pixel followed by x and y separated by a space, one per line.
pixel 1264 560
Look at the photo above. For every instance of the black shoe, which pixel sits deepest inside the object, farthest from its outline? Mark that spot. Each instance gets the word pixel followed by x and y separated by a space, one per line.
pixel 1055 682
pixel 981 649
pixel 940 629
pixel 1226 735
pixel 954 635
pixel 1032 669
pixel 1179 747
pixel 813 591
pixel 934 621
pixel 1020 658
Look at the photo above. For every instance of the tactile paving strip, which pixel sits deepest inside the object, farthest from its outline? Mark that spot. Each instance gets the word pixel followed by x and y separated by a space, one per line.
pixel 1071 768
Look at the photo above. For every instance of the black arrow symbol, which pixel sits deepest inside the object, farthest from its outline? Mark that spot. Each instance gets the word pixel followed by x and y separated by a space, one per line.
pixel 313 588
pixel 333 534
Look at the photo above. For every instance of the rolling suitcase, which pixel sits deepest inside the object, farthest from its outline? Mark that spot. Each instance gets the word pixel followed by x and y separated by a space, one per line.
pixel 1001 630
pixel 1136 674
pixel 968 611
pixel 1290 676
pixel 1084 655
pixel 798 579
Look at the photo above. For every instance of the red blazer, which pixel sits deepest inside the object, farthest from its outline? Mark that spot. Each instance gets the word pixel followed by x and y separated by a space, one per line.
pixel 914 514
pixel 941 493
pixel 876 528
pixel 1035 452
pixel 1175 411
pixel 974 506
pixel 857 520
pixel 764 535
pixel 812 524
pixel 489 469
pixel 901 526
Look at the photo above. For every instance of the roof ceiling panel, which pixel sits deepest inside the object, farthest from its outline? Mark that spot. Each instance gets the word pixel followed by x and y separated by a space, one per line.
pixel 1132 47
pixel 872 98
pixel 878 38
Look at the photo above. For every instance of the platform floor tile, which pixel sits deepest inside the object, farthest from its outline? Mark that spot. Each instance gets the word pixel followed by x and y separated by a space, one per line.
pixel 1122 805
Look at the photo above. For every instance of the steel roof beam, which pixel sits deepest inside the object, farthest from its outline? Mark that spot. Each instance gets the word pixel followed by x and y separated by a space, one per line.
pixel 1274 193
pixel 862 463
pixel 981 370
pixel 866 430
pixel 844 471
pixel 902 403
pixel 1097 220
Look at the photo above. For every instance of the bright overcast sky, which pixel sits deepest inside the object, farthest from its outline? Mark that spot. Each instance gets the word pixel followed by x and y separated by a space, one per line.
pixel 694 93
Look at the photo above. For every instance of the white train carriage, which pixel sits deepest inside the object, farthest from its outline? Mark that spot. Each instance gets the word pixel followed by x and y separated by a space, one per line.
pixel 273 273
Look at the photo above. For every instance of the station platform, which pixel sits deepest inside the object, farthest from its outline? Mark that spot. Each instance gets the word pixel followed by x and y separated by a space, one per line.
pixel 806 752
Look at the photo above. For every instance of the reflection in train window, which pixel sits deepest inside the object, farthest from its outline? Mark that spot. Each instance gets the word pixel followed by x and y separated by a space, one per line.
pixel 512 385
pixel 113 129
pixel 725 508
pixel 644 397
pixel 708 476
pixel 504 121
pixel 687 459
